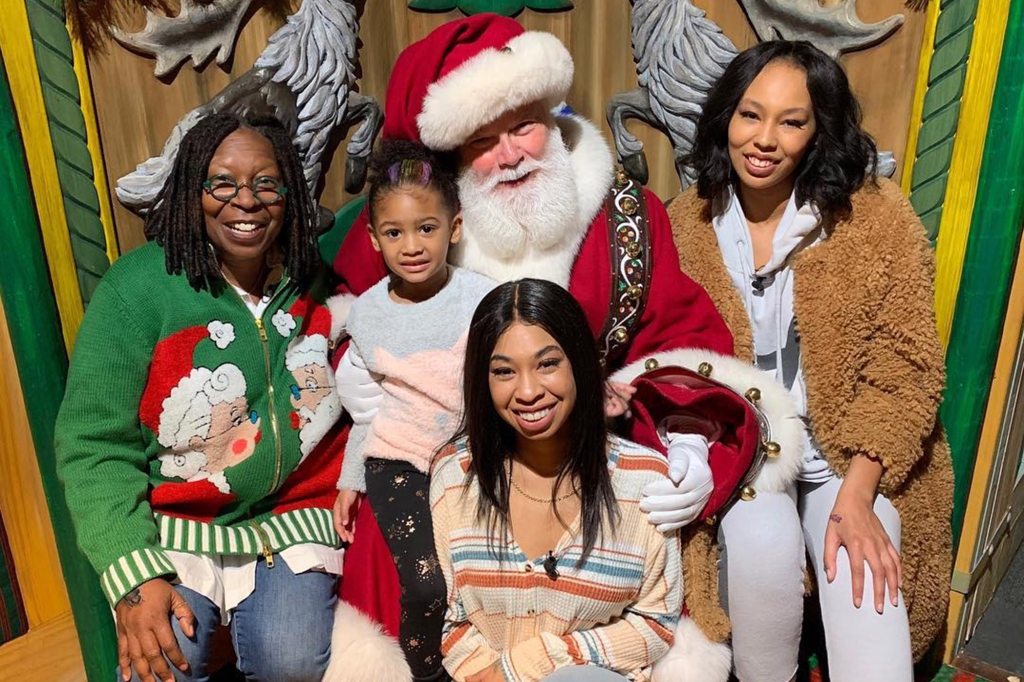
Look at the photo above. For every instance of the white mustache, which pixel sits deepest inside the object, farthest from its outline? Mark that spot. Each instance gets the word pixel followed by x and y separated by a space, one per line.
pixel 525 167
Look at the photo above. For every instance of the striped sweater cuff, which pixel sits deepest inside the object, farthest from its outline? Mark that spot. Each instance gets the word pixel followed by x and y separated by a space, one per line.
pixel 131 570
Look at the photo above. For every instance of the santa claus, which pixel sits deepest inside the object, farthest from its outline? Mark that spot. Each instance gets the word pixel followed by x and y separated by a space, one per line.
pixel 541 198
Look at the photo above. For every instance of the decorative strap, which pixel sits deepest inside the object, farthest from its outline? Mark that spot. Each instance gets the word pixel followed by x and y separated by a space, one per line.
pixel 630 256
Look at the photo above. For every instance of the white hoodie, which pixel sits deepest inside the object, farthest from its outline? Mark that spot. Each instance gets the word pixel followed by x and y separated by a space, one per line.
pixel 767 294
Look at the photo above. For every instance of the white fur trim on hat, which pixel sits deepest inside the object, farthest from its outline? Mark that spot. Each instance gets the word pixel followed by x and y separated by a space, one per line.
pixel 693 657
pixel 532 67
pixel 306 350
pixel 186 412
pixel 776 403
pixel 361 652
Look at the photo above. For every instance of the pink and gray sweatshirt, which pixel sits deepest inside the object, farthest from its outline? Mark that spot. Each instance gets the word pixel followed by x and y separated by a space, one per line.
pixel 417 350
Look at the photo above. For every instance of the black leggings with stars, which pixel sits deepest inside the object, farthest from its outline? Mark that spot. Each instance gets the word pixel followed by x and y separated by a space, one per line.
pixel 399 495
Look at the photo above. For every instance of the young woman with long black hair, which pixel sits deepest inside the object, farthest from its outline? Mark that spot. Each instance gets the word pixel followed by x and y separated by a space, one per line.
pixel 550 564
pixel 824 275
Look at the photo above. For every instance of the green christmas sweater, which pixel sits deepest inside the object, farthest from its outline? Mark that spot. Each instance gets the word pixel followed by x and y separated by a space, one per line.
pixel 190 425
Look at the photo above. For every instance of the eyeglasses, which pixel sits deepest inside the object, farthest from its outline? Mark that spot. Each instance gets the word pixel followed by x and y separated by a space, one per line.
pixel 267 190
pixel 297 392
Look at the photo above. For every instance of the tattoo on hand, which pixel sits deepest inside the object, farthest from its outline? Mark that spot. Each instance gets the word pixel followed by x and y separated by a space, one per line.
pixel 835 518
pixel 133 598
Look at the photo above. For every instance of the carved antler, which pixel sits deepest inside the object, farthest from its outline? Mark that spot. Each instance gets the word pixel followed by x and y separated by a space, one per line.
pixel 197 31
pixel 835 30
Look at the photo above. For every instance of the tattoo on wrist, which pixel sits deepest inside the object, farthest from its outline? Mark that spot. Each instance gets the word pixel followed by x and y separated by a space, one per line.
pixel 133 598
pixel 835 518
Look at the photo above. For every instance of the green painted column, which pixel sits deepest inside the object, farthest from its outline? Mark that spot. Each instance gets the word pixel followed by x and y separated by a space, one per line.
pixel 941 114
pixel 56 64
pixel 988 265
pixel 39 348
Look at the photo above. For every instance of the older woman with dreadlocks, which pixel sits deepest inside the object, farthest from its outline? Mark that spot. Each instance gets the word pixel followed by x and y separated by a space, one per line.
pixel 196 440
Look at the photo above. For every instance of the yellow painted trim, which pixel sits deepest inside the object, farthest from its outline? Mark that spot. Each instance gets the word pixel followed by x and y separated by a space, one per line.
pixel 26 515
pixel 956 607
pixel 92 132
pixel 995 411
pixel 968 148
pixel 49 652
pixel 924 66
pixel 23 74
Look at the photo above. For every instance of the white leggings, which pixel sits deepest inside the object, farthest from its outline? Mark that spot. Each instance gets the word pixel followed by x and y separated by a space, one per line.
pixel 761 569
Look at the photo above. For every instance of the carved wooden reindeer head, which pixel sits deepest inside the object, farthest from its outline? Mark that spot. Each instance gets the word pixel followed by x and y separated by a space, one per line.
pixel 198 31
pixel 835 29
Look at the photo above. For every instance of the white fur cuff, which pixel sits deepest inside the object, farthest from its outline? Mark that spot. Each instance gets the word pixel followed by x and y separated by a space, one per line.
pixel 776 403
pixel 340 306
pixel 361 652
pixel 693 657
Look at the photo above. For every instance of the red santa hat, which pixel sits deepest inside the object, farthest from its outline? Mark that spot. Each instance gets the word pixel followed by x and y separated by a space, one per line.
pixel 469 72
pixel 310 345
pixel 172 362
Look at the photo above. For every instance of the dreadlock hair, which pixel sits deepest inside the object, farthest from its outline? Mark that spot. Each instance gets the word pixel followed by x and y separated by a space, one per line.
pixel 177 221
pixel 404 163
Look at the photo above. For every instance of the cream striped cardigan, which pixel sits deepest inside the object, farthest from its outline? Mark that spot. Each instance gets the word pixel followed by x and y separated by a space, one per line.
pixel 618 611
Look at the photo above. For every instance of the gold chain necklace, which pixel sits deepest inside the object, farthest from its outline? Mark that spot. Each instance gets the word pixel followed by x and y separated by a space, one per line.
pixel 537 499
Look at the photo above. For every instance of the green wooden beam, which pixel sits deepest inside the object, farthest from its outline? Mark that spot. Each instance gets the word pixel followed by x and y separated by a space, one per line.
pixel 988 266
pixel 56 62
pixel 36 336
pixel 947 73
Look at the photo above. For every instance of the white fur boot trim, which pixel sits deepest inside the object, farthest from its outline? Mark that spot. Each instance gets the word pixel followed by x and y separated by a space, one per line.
pixel 693 657
pixel 361 652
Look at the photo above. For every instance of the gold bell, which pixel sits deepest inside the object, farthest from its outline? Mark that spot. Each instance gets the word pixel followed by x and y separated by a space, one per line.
pixel 748 493
pixel 651 364
pixel 634 292
pixel 621 177
pixel 711 520
pixel 753 394
pixel 620 335
pixel 629 205
pixel 704 369
pixel 633 249
pixel 772 449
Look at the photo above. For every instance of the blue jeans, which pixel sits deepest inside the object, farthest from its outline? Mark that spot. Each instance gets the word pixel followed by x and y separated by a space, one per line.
pixel 281 632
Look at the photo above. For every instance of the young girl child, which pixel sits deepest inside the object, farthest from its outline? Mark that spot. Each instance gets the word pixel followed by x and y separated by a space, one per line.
pixel 410 330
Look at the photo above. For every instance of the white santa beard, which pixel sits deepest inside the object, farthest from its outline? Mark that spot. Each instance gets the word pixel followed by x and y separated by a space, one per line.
pixel 526 231
pixel 320 422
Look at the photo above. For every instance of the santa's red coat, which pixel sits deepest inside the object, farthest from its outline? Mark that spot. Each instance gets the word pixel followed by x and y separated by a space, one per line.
pixel 678 314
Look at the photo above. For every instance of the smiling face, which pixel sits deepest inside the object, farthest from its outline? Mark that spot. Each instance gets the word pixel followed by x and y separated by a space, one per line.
pixel 531 382
pixel 511 148
pixel 233 435
pixel 413 228
pixel 243 229
pixel 312 384
pixel 772 128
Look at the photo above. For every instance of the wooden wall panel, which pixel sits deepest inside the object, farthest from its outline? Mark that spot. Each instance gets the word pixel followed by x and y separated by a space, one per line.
pixel 136 111
pixel 22 499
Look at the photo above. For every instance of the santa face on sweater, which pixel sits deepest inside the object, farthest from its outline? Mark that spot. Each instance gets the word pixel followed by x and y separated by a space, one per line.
pixel 233 435
pixel 207 425
pixel 313 398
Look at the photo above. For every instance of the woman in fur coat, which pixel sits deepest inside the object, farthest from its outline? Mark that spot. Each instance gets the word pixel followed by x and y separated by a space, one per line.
pixel 824 275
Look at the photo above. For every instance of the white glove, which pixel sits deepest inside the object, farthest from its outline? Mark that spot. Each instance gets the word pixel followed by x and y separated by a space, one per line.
pixel 678 500
pixel 358 388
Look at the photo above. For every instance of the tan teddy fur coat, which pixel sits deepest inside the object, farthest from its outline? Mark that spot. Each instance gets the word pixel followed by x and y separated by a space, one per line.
pixel 864 305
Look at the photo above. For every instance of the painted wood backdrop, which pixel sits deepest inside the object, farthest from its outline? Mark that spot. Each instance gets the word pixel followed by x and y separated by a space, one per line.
pixel 136 111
